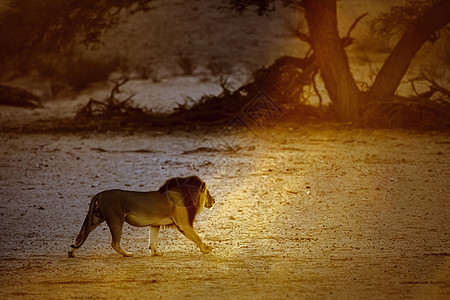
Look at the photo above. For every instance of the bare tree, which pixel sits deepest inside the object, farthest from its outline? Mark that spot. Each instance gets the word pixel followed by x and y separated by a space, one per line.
pixel 328 46
pixel 49 25
pixel 331 58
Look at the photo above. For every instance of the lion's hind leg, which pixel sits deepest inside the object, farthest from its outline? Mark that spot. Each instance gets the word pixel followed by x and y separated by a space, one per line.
pixel 88 226
pixel 116 235
pixel 153 240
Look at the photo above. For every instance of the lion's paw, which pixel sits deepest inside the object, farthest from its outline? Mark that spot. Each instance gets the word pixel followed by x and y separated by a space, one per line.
pixel 206 249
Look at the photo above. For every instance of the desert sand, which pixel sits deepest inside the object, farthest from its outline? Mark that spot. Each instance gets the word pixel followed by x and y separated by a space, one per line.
pixel 323 211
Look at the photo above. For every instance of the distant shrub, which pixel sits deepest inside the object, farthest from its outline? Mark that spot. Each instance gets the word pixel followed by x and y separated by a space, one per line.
pixel 374 45
pixel 186 63
pixel 219 67
pixel 80 72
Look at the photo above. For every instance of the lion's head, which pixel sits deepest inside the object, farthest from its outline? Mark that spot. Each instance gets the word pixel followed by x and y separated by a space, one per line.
pixel 207 198
pixel 190 192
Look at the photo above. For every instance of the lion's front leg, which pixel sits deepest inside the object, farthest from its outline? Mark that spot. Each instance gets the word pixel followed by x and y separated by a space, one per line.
pixel 190 233
pixel 153 240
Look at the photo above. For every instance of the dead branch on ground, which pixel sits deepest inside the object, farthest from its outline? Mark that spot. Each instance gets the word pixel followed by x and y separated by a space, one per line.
pixel 433 87
pixel 111 106
pixel 424 110
pixel 16 96
pixel 283 82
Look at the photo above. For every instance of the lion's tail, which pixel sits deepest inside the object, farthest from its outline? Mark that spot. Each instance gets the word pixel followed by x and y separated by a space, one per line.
pixel 91 221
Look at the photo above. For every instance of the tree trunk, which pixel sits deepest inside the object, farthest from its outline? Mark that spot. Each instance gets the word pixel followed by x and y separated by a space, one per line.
pixel 332 59
pixel 395 67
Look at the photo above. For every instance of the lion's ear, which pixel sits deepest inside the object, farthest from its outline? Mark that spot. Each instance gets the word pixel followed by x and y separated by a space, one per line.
pixel 203 187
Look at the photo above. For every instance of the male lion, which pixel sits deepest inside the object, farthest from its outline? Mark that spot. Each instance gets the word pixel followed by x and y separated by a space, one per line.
pixel 176 203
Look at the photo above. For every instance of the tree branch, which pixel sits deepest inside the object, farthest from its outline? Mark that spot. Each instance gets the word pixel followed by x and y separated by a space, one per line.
pixel 416 35
pixel 347 40
pixel 432 89
pixel 316 90
pixel 355 23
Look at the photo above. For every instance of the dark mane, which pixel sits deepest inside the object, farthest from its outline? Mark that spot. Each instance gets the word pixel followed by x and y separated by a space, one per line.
pixel 189 187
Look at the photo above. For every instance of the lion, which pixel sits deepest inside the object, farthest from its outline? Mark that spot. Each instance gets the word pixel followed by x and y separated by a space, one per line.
pixel 176 203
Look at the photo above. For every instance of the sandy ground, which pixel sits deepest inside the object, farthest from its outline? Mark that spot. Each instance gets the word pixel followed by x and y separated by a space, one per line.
pixel 308 212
